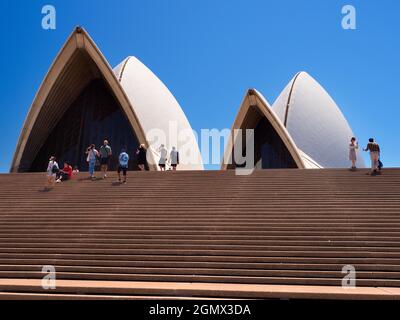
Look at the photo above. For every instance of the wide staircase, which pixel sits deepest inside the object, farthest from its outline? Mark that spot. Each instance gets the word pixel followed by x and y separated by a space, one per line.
pixel 212 234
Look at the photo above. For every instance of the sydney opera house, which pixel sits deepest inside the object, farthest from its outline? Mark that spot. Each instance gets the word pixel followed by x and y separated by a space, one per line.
pixel 83 101
pixel 303 129
pixel 286 233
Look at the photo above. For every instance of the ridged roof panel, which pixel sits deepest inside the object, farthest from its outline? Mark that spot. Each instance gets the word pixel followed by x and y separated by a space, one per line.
pixel 315 122
pixel 157 108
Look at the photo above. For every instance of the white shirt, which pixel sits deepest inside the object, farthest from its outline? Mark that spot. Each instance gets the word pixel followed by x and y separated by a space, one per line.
pixel 174 157
pixel 92 155
pixel 163 155
pixel 50 167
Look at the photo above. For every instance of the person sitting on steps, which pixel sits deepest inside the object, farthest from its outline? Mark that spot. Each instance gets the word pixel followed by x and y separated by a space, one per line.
pixel 65 173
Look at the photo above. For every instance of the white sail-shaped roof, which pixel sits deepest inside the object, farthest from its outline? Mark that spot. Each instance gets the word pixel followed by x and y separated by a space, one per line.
pixel 144 99
pixel 315 122
pixel 156 108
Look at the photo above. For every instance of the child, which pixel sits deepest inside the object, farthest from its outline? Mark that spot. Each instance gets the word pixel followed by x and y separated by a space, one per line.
pixel 76 170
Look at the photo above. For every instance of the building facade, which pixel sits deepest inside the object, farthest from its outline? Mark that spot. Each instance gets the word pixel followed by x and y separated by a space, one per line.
pixel 82 100
pixel 304 128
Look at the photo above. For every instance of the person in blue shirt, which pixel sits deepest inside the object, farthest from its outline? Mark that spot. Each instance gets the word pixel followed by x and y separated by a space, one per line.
pixel 123 164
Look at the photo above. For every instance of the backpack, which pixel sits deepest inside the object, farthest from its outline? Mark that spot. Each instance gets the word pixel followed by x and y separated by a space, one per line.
pixel 54 168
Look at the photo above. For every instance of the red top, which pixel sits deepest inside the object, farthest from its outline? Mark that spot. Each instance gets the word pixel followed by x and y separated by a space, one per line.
pixel 68 169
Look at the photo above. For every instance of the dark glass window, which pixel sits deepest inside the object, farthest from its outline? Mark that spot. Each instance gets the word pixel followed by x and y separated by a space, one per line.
pixel 94 116
pixel 269 148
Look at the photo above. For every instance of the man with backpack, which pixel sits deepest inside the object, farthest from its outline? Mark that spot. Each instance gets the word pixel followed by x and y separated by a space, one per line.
pixel 105 155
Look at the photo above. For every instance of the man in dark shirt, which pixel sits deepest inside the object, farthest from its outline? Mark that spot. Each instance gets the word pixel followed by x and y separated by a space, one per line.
pixel 105 155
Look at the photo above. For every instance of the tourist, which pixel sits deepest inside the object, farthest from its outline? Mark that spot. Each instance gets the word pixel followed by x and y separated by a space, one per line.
pixel 92 155
pixel 105 155
pixel 141 155
pixel 353 146
pixel 52 170
pixel 174 158
pixel 75 171
pixel 123 164
pixel 374 152
pixel 163 157
pixel 65 173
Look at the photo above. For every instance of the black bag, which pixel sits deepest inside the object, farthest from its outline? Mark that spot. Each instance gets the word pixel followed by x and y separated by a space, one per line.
pixel 380 164
pixel 55 169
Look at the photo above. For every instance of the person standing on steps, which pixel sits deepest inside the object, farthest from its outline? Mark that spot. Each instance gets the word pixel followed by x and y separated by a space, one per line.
pixel 163 157
pixel 92 155
pixel 374 152
pixel 123 160
pixel 52 171
pixel 105 155
pixel 174 158
pixel 141 153
pixel 353 146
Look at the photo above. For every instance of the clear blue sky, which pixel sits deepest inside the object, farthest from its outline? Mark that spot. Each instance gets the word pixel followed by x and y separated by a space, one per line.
pixel 208 52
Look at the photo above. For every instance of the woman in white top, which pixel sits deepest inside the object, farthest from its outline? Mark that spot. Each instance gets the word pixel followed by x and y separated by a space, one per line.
pixel 163 157
pixel 353 146
pixel 52 169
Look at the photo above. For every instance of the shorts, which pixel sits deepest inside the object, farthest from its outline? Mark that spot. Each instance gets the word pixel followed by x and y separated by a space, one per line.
pixel 104 161
pixel 123 169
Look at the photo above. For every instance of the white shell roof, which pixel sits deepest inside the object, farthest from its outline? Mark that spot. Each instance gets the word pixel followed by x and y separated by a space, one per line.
pixel 315 122
pixel 155 108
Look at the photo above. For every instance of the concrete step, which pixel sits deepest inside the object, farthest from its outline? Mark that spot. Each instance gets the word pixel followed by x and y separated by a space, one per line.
pixel 274 228
pixel 209 290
